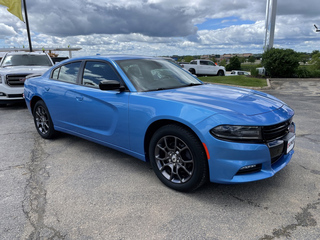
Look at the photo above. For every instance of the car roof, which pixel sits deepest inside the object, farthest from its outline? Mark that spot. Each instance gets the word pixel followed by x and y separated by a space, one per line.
pixel 114 57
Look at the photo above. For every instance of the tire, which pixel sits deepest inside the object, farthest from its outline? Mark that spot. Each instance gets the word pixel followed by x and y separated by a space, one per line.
pixel 178 158
pixel 42 120
pixel 220 73
pixel 192 71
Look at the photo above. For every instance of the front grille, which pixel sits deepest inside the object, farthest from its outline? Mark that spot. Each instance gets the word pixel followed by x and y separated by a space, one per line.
pixel 16 80
pixel 276 131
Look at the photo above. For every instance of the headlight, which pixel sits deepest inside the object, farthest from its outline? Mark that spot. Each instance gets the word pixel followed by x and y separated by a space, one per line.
pixel 230 132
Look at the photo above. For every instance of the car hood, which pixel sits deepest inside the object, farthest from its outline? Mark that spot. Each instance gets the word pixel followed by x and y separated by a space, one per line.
pixel 222 99
pixel 24 69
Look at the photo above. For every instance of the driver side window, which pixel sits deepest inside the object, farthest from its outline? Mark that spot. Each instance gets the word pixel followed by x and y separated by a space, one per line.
pixel 95 72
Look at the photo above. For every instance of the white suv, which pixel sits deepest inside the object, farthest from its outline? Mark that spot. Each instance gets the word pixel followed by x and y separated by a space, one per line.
pixel 14 67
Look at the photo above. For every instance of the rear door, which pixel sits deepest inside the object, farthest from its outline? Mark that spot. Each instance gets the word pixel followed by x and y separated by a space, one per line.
pixel 60 95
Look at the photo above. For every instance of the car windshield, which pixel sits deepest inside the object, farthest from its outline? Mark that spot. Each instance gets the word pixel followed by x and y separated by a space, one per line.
pixel 26 60
pixel 156 74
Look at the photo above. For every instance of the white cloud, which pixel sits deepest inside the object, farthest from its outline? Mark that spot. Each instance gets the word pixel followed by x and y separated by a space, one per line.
pixel 159 27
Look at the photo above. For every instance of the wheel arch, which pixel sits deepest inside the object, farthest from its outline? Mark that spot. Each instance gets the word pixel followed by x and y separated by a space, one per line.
pixel 221 71
pixel 192 70
pixel 158 124
pixel 33 102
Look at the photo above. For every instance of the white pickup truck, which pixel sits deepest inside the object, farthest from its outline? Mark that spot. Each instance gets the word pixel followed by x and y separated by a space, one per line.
pixel 204 67
pixel 14 67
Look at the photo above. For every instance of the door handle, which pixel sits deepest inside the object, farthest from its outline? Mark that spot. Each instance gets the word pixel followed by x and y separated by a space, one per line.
pixel 79 98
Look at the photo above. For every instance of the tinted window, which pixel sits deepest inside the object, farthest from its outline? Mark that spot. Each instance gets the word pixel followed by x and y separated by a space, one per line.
pixel 67 73
pixel 203 63
pixel 95 72
pixel 55 73
pixel 156 74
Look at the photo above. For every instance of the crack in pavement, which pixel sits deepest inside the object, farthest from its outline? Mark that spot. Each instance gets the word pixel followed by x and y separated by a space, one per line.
pixel 247 201
pixel 34 203
pixel 313 171
pixel 16 133
pixel 12 167
pixel 251 203
pixel 304 219
pixel 306 136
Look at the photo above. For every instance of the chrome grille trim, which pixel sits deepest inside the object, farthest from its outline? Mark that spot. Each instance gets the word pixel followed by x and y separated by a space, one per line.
pixel 15 80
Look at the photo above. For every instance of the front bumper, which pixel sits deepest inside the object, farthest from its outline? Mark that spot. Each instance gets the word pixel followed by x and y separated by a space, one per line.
pixel 234 162
pixel 10 94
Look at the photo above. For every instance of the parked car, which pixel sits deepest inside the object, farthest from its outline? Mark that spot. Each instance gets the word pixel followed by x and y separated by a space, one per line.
pixel 14 67
pixel 238 72
pixel 204 67
pixel 155 111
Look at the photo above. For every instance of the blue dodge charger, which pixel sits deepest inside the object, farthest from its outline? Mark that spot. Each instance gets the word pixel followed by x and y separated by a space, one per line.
pixel 189 131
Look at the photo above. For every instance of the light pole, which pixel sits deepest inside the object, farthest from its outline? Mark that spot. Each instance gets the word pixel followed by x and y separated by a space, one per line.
pixel 271 12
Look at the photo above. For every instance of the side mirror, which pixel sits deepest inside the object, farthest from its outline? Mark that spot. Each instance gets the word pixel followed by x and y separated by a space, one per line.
pixel 111 85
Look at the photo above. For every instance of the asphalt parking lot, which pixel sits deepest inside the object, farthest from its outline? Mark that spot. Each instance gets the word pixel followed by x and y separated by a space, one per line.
pixel 69 188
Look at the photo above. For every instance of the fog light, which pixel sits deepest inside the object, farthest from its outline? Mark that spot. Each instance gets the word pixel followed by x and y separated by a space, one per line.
pixel 2 94
pixel 248 167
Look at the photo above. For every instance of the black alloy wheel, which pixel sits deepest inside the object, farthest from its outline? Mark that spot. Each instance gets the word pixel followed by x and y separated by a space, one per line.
pixel 42 120
pixel 178 158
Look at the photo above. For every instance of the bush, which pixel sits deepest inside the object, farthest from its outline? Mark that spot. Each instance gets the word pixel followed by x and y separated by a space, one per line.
pixel 315 74
pixel 280 62
pixel 254 72
pixel 249 67
pixel 234 64
pixel 303 72
pixel 315 61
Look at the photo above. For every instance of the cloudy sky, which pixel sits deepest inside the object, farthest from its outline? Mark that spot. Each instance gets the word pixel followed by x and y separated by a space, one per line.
pixel 161 27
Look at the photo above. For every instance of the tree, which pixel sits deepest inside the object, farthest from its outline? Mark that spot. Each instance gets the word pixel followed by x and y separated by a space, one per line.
pixel 315 61
pixel 188 58
pixel 304 57
pixel 251 59
pixel 314 52
pixel 234 64
pixel 223 62
pixel 280 62
pixel 242 59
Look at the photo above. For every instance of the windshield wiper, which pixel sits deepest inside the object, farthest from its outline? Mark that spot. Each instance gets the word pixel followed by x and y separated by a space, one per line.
pixel 192 84
pixel 8 65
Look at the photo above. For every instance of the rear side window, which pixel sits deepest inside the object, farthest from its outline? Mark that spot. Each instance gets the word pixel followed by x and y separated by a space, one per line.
pixel 95 72
pixel 67 73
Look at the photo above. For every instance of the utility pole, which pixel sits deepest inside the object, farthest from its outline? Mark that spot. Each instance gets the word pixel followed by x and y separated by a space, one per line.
pixel 271 12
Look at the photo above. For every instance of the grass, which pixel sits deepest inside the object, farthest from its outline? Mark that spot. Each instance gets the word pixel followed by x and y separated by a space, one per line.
pixel 240 80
